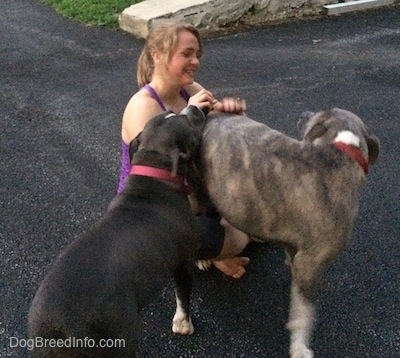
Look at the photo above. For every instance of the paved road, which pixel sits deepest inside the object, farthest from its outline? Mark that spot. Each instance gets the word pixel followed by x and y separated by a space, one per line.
pixel 63 87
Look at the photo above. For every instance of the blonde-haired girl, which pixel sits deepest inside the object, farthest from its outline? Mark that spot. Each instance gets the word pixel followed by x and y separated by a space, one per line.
pixel 165 74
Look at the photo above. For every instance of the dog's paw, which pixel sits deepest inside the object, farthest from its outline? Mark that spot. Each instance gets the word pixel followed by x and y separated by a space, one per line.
pixel 301 351
pixel 182 326
pixel 203 265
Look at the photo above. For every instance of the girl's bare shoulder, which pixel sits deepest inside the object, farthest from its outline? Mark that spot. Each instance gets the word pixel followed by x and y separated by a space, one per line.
pixel 139 110
pixel 142 102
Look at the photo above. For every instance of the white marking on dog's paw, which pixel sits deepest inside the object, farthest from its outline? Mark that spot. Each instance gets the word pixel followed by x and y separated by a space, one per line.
pixel 301 351
pixel 203 265
pixel 348 138
pixel 181 325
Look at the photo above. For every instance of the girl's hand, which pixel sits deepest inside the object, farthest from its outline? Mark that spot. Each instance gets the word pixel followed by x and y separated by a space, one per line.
pixel 202 99
pixel 231 105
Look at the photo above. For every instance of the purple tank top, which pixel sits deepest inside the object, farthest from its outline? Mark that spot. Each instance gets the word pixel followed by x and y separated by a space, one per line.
pixel 125 160
pixel 125 166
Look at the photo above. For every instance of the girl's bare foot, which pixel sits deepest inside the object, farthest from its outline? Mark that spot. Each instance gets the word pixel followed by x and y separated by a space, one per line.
pixel 233 266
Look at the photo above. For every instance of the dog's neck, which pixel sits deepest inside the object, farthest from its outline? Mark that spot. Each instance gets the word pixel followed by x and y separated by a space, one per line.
pixel 155 159
pixel 162 174
pixel 348 143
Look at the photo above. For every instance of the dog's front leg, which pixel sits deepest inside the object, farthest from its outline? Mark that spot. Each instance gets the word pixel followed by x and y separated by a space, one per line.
pixel 182 323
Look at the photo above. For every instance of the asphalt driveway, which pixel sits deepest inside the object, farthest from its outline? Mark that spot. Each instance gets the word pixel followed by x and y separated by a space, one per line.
pixel 63 88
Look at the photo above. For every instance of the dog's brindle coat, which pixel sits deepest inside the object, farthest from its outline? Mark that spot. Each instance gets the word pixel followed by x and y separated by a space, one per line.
pixel 98 284
pixel 303 194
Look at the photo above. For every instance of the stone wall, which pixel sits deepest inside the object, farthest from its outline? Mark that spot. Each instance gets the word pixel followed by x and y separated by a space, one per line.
pixel 274 10
pixel 221 12
pixel 263 11
pixel 210 15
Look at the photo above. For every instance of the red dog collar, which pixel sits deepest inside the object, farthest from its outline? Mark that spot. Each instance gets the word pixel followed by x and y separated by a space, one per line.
pixel 353 152
pixel 161 174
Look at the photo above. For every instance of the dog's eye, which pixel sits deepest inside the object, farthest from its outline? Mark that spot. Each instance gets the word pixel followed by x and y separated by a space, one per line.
pixel 170 115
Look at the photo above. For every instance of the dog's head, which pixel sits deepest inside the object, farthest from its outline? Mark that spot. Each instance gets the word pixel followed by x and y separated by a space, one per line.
pixel 169 139
pixel 324 127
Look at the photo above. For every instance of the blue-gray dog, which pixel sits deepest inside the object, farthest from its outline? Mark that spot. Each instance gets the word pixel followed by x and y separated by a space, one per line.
pixel 303 194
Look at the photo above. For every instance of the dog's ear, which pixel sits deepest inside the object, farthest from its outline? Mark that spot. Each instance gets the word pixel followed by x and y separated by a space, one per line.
pixel 316 132
pixel 373 148
pixel 304 117
pixel 134 146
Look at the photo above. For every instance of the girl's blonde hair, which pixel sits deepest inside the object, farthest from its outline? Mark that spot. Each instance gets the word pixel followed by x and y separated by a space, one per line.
pixel 162 38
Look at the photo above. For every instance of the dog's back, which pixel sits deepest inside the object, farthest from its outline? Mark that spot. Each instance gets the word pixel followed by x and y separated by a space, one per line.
pixel 279 182
pixel 76 300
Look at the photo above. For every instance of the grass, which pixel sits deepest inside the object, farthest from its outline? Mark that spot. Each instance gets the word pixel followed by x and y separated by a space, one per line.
pixel 92 12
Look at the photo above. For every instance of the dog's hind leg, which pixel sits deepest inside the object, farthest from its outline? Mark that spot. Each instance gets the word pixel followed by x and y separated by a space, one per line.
pixel 182 323
pixel 306 265
pixel 302 311
pixel 301 322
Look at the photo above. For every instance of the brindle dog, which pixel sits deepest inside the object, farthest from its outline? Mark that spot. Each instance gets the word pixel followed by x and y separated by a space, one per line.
pixel 302 194
pixel 97 285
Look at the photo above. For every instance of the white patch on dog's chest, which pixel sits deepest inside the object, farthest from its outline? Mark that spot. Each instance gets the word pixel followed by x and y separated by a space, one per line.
pixel 348 138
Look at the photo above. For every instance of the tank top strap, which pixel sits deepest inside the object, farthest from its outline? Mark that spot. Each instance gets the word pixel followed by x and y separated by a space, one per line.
pixel 155 96
pixel 185 94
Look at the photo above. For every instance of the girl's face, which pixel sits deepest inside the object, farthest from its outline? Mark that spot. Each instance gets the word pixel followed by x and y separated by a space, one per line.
pixel 184 60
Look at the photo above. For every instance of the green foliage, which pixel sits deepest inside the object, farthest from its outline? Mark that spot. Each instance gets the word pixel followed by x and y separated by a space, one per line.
pixel 92 12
